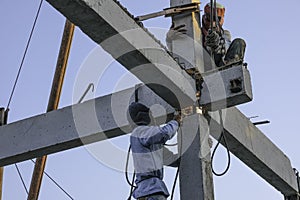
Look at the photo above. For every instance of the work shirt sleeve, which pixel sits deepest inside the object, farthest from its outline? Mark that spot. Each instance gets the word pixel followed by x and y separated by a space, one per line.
pixel 161 135
pixel 227 38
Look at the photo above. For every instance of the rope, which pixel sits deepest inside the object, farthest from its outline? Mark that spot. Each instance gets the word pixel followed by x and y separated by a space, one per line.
pixel 24 55
pixel 22 180
pixel 222 136
pixel 60 187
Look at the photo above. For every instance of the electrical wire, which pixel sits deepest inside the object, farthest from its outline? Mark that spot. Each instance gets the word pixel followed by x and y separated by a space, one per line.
pixel 132 186
pixel 60 187
pixel 24 55
pixel 22 180
pixel 171 145
pixel 178 169
pixel 126 167
pixel 222 136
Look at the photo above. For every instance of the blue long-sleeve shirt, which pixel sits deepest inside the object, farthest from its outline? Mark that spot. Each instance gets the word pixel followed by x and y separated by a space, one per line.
pixel 147 150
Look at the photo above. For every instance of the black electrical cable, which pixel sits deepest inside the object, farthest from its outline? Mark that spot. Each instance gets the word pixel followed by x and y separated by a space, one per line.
pixel 174 184
pixel 171 145
pixel 126 168
pixel 22 180
pixel 178 169
pixel 131 183
pixel 24 55
pixel 222 136
pixel 60 187
pixel 132 186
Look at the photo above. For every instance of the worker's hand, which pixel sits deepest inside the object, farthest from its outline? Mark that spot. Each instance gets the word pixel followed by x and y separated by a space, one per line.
pixel 176 32
pixel 212 40
pixel 178 118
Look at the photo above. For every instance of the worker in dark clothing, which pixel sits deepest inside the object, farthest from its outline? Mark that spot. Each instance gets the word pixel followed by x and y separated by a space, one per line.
pixel 147 144
pixel 216 41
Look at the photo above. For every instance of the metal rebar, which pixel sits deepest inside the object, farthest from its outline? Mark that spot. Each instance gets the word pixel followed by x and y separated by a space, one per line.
pixel 1 181
pixel 57 84
pixel 3 121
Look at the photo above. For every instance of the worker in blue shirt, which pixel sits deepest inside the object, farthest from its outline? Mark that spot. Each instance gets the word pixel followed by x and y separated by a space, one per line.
pixel 147 144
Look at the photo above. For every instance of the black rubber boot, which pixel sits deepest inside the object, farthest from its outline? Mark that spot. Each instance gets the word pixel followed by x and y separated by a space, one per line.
pixel 236 51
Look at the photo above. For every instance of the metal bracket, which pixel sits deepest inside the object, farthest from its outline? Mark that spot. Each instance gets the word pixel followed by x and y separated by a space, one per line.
pixel 3 116
pixel 236 85
pixel 168 12
pixel 136 91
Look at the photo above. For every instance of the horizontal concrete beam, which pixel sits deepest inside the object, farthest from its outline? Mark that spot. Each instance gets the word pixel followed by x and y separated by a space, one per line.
pixel 73 126
pixel 109 25
pixel 258 152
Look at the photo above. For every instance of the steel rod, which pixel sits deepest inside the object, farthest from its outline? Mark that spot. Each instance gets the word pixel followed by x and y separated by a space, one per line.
pixel 3 121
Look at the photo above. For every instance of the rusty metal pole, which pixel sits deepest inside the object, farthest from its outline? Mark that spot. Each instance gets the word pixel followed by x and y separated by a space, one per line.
pixel 53 103
pixel 3 121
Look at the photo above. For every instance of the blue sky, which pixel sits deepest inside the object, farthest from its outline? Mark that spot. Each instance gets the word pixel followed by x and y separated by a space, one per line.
pixel 271 31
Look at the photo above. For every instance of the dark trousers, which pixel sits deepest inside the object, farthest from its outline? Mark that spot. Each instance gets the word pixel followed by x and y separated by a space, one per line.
pixel 235 52
pixel 153 197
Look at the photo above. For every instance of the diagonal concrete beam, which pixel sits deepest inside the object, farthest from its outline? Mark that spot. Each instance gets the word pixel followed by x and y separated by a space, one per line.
pixel 258 152
pixel 109 25
pixel 95 120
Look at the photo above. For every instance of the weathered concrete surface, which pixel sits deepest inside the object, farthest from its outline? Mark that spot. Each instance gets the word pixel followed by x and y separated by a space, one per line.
pixel 218 91
pixel 196 179
pixel 107 24
pixel 188 48
pixel 258 152
pixel 95 120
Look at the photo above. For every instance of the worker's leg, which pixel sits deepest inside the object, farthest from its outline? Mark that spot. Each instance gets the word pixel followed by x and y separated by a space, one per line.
pixel 154 197
pixel 236 51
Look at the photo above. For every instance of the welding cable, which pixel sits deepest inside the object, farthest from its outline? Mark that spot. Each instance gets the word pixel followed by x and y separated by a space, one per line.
pixel 178 169
pixel 222 136
pixel 24 55
pixel 131 183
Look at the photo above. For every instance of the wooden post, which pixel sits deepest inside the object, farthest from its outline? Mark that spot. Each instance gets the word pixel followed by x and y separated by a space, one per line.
pixel 57 84
pixel 2 122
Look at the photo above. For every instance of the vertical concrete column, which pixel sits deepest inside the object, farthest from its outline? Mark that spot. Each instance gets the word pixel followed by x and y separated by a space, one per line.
pixel 188 48
pixel 196 180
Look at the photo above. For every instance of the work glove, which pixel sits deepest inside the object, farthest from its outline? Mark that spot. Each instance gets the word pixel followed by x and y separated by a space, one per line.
pixel 175 32
pixel 212 41
pixel 178 118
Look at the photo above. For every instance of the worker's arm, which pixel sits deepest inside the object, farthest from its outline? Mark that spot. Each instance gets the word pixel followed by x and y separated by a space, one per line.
pixel 227 38
pixel 160 135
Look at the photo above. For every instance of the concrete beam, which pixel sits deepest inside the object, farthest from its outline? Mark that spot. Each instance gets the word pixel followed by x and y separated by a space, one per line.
pixel 109 25
pixel 95 120
pixel 258 152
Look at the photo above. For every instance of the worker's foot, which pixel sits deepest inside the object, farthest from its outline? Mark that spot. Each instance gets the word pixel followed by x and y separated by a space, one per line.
pixel 233 62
